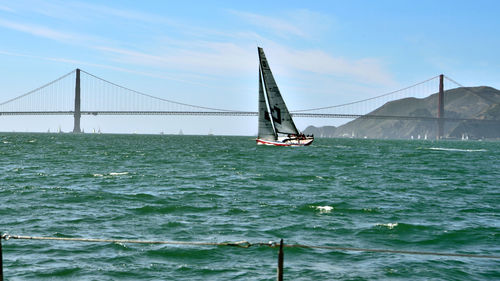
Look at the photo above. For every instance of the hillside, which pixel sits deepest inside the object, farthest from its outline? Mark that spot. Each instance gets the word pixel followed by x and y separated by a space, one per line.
pixel 468 102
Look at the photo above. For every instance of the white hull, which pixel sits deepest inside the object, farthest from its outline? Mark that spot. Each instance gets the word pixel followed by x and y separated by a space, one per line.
pixel 286 142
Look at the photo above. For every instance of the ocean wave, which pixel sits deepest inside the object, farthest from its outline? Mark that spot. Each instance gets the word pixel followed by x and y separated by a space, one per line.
pixel 340 209
pixel 167 209
pixel 388 225
pixel 111 174
pixel 342 146
pixel 456 149
pixel 118 173
pixel 324 209
pixel 404 229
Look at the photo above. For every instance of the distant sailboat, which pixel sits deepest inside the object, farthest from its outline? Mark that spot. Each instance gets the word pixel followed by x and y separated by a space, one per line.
pixel 276 126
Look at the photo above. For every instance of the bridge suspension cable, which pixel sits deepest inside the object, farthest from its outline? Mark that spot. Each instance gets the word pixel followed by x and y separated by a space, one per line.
pixel 155 97
pixel 103 97
pixel 453 81
pixel 468 89
pixel 39 88
pixel 365 100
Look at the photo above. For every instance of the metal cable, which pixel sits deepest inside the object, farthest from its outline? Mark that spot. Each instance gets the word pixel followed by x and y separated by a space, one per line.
pixel 392 251
pixel 216 109
pixel 453 81
pixel 153 97
pixel 41 87
pixel 241 244
pixel 360 101
pixel 246 244
pixel 470 89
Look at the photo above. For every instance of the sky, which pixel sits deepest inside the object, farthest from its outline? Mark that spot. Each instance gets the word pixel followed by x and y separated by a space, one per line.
pixel 205 53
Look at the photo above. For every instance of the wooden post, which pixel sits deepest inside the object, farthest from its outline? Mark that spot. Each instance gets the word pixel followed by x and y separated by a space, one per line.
pixel 1 259
pixel 280 262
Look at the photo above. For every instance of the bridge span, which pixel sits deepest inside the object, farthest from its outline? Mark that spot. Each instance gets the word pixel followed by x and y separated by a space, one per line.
pixel 80 93
pixel 241 113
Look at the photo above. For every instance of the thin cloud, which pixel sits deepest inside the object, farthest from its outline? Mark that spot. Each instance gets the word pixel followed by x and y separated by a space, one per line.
pixel 301 23
pixel 278 26
pixel 366 70
pixel 81 11
pixel 225 53
pixel 101 10
pixel 6 9
pixel 35 30
pixel 42 31
pixel 204 57
pixel 295 62
pixel 79 63
pixel 216 58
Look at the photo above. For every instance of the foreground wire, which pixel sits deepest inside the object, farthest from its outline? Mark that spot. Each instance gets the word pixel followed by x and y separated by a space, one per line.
pixel 241 244
pixel 246 244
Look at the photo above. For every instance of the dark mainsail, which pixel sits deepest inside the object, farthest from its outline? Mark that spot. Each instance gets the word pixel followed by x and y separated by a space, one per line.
pixel 280 115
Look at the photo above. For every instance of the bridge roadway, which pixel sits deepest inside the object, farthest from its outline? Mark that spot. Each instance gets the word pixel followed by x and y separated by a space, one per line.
pixel 240 113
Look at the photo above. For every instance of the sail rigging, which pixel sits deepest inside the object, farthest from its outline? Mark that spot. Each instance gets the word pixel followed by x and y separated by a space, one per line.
pixel 279 114
pixel 276 126
pixel 266 129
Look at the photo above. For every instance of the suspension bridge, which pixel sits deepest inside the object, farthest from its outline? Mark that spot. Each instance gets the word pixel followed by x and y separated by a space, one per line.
pixel 80 93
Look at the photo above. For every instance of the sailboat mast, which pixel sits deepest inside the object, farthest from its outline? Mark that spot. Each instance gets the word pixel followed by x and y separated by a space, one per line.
pixel 282 120
pixel 266 100
pixel 266 126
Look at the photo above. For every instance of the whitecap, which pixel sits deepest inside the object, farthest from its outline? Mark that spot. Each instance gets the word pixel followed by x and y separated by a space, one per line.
pixel 121 244
pixel 97 175
pixel 388 225
pixel 118 173
pixel 456 149
pixel 324 209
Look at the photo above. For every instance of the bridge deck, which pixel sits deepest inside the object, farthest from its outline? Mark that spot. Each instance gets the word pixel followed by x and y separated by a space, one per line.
pixel 240 113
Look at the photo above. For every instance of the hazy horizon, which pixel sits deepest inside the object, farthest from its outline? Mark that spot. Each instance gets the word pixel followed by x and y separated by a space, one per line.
pixel 321 53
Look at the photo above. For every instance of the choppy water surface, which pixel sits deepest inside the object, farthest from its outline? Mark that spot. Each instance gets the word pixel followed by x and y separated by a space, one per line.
pixel 401 195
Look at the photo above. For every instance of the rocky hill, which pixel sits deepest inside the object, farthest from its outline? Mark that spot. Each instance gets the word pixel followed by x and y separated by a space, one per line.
pixel 467 102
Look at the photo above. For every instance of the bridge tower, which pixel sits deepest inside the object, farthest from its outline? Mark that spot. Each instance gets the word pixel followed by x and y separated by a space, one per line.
pixel 77 114
pixel 440 108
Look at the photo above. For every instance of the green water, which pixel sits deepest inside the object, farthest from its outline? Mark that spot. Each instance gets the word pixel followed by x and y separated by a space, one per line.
pixel 400 195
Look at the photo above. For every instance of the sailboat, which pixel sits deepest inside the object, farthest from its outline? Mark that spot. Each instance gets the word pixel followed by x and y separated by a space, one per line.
pixel 276 126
